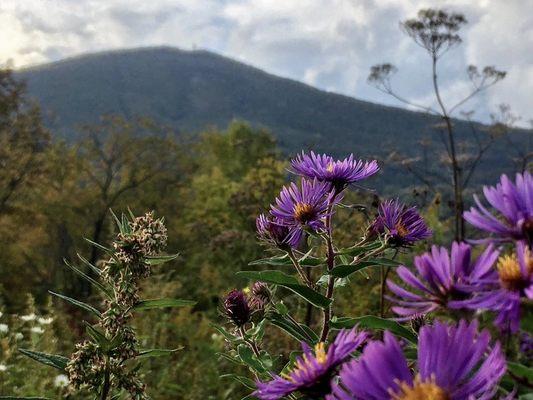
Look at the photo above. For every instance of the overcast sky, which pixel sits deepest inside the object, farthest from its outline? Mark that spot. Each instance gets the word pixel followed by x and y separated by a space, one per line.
pixel 330 44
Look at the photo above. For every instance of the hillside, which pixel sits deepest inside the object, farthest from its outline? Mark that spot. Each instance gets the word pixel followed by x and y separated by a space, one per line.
pixel 191 90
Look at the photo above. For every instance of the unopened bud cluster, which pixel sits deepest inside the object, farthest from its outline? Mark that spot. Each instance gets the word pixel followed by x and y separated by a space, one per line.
pixel 238 306
pixel 145 236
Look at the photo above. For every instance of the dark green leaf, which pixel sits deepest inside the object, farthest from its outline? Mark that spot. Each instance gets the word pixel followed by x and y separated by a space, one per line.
pixel 247 356
pixel 293 329
pixel 373 322
pixel 98 337
pixel 520 371
pixel 306 261
pixel 247 382
pixel 88 278
pixel 157 260
pixel 162 303
pixel 77 303
pixel 355 251
pixel 23 398
pixel 93 268
pixel 288 282
pixel 157 352
pixel 51 360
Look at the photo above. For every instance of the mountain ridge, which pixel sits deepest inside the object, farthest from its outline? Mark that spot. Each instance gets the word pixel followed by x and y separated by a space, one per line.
pixel 190 90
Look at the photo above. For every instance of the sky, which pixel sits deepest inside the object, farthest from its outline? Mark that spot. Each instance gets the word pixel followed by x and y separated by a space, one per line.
pixel 329 44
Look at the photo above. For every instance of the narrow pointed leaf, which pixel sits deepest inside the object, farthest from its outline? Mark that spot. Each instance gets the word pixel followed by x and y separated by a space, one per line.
pixel 77 303
pixel 88 278
pixel 297 331
pixel 93 268
pixel 162 303
pixel 157 352
pixel 98 337
pixel 157 260
pixel 246 382
pixel 345 270
pixel 51 360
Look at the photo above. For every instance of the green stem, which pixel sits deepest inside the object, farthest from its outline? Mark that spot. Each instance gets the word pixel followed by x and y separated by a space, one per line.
pixel 331 279
pixel 106 386
pixel 299 268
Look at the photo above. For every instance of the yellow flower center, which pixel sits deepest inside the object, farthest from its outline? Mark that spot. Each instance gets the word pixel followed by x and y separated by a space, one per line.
pixel 428 390
pixel 509 271
pixel 303 212
pixel 302 365
pixel 401 229
pixel 330 166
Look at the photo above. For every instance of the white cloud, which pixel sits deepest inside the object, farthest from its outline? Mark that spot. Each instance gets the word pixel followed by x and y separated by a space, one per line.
pixel 330 44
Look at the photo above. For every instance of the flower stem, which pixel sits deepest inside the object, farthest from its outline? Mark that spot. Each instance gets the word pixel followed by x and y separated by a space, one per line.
pixel 384 273
pixel 331 278
pixel 303 275
pixel 106 386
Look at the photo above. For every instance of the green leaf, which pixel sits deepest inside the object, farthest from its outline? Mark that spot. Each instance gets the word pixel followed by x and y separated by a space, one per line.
pixel 288 282
pixel 247 356
pixel 23 398
pixel 99 246
pixel 247 382
pixel 157 352
pixel 228 336
pixel 98 337
pixel 284 260
pixel 520 370
pixel 51 360
pixel 355 251
pixel 162 303
pixel 157 260
pixel 77 303
pixel 344 270
pixel 282 308
pixel 293 329
pixel 88 278
pixel 373 322
pixel 93 268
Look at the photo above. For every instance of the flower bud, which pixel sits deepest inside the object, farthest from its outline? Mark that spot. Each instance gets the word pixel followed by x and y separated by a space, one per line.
pixel 236 307
pixel 260 296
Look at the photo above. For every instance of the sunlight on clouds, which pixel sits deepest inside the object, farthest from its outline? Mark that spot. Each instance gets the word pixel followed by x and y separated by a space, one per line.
pixel 330 44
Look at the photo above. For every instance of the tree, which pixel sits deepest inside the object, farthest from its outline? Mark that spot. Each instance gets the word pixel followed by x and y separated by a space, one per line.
pixel 120 158
pixel 436 31
pixel 23 141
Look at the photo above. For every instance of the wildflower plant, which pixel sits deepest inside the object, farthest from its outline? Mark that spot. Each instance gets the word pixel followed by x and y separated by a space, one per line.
pixel 107 363
pixel 437 343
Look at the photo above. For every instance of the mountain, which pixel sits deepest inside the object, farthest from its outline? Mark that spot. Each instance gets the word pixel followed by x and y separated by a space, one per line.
pixel 191 90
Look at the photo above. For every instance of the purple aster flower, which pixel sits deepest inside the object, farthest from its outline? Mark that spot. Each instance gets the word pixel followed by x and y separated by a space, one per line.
pixel 514 204
pixel 340 173
pixel 236 307
pixel 272 231
pixel 403 225
pixel 303 208
pixel 502 290
pixel 313 371
pixel 454 363
pixel 440 280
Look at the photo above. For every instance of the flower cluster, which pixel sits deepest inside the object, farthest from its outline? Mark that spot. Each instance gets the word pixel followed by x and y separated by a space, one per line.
pixel 497 280
pixel 137 240
pixel 417 355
